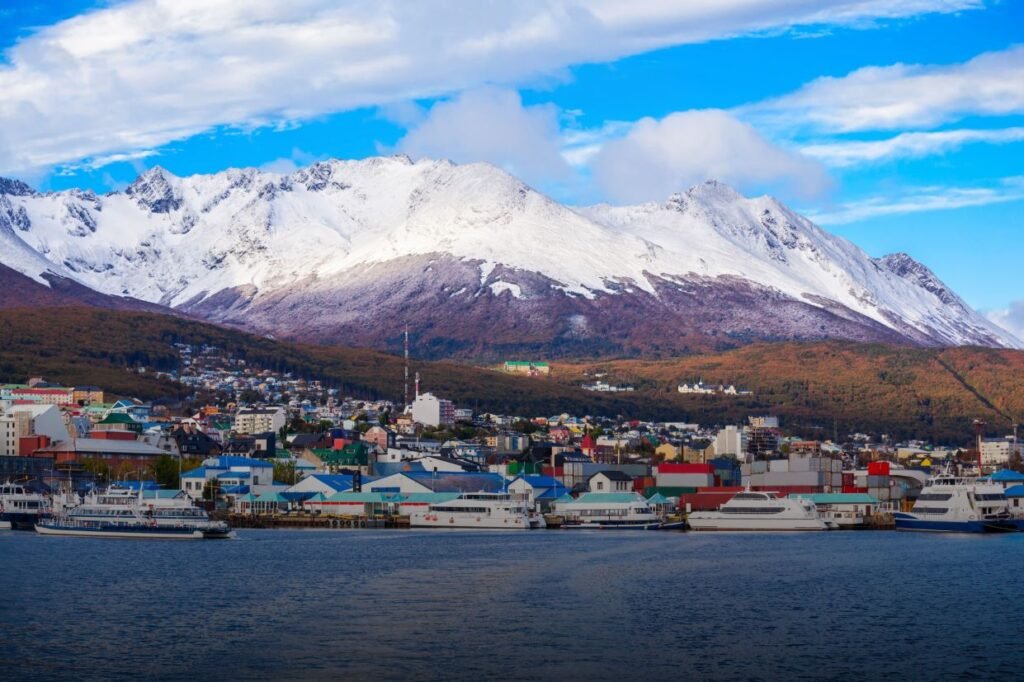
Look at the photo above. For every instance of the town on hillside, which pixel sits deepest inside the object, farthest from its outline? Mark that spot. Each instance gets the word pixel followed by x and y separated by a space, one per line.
pixel 269 445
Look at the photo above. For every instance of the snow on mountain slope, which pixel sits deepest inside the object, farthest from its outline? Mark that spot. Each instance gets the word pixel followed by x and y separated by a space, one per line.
pixel 256 248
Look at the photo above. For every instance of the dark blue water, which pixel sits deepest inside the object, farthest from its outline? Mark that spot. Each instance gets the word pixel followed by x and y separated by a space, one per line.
pixel 552 605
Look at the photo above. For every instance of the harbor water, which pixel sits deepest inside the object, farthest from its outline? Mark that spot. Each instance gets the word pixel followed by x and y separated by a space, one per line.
pixel 438 605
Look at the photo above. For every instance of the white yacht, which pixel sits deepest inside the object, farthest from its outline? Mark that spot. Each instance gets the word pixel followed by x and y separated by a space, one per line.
pixel 20 508
pixel 121 512
pixel 504 511
pixel 618 511
pixel 757 511
pixel 956 504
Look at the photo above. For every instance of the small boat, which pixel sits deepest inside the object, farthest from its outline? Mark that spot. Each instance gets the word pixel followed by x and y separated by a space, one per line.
pixel 495 511
pixel 608 511
pixel 20 508
pixel 956 504
pixel 760 511
pixel 122 513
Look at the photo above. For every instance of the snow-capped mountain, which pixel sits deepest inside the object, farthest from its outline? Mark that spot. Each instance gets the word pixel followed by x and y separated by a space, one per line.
pixel 475 262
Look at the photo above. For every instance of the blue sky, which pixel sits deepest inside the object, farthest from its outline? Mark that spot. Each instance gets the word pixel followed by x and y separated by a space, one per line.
pixel 898 124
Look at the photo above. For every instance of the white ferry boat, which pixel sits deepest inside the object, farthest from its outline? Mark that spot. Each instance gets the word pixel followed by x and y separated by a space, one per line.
pixel 20 508
pixel 504 511
pixel 120 512
pixel 955 504
pixel 760 511
pixel 618 511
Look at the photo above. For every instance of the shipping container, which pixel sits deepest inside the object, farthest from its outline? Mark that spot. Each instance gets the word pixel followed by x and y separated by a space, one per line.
pixel 878 468
pixel 684 468
pixel 777 466
pixel 800 478
pixel 800 463
pixel 685 480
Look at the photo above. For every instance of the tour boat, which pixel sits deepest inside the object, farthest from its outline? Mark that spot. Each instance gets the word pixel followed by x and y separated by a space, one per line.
pixel 955 504
pixel 123 513
pixel 504 511
pixel 20 508
pixel 609 511
pixel 760 511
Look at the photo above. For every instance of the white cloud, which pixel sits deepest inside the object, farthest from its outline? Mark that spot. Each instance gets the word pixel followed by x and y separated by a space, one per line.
pixel 491 124
pixel 286 165
pixel 907 145
pixel 658 157
pixel 142 73
pixel 1010 318
pixel 921 199
pixel 901 96
pixel 101 161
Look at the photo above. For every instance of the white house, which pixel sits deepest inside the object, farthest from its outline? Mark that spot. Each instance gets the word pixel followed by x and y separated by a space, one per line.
pixel 328 484
pixel 610 481
pixel 229 471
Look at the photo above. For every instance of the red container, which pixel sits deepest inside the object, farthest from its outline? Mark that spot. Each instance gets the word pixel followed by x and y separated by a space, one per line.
pixel 878 468
pixel 682 468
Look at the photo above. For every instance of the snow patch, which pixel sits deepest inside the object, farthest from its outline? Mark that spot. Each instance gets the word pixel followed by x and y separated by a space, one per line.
pixel 498 287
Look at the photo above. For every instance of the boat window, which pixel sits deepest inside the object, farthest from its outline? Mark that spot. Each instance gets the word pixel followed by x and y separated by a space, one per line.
pixel 930 510
pixel 935 497
pixel 751 510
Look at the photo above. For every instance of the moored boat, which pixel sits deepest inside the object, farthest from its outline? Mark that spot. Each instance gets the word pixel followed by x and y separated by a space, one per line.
pixel 956 504
pixel 20 508
pixel 608 511
pixel 122 513
pixel 760 511
pixel 494 511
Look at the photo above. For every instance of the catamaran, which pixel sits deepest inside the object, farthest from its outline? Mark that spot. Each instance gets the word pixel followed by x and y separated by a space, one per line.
pixel 496 511
pixel 957 504
pixel 608 511
pixel 122 513
pixel 759 511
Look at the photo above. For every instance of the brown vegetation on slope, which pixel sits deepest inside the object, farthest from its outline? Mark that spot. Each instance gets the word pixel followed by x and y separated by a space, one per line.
pixel 815 387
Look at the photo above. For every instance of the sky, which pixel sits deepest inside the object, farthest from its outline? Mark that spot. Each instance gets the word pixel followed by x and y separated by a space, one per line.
pixel 898 124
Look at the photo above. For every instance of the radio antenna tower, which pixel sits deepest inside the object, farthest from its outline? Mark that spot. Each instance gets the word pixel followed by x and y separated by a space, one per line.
pixel 406 366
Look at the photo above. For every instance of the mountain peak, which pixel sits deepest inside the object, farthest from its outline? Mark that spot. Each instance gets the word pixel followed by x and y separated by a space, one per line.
pixel 713 189
pixel 156 190
pixel 15 188
pixel 904 266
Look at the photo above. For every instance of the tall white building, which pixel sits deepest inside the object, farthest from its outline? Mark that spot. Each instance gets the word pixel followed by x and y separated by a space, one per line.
pixel 430 410
pixel 732 440
pixel 251 420
pixel 18 421
pixel 996 451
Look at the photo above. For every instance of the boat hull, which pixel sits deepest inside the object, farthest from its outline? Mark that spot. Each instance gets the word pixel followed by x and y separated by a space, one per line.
pixel 612 525
pixel 442 520
pixel 133 532
pixel 912 523
pixel 18 521
pixel 710 523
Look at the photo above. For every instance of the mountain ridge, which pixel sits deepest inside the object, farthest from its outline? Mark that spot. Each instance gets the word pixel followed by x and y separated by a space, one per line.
pixel 329 252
